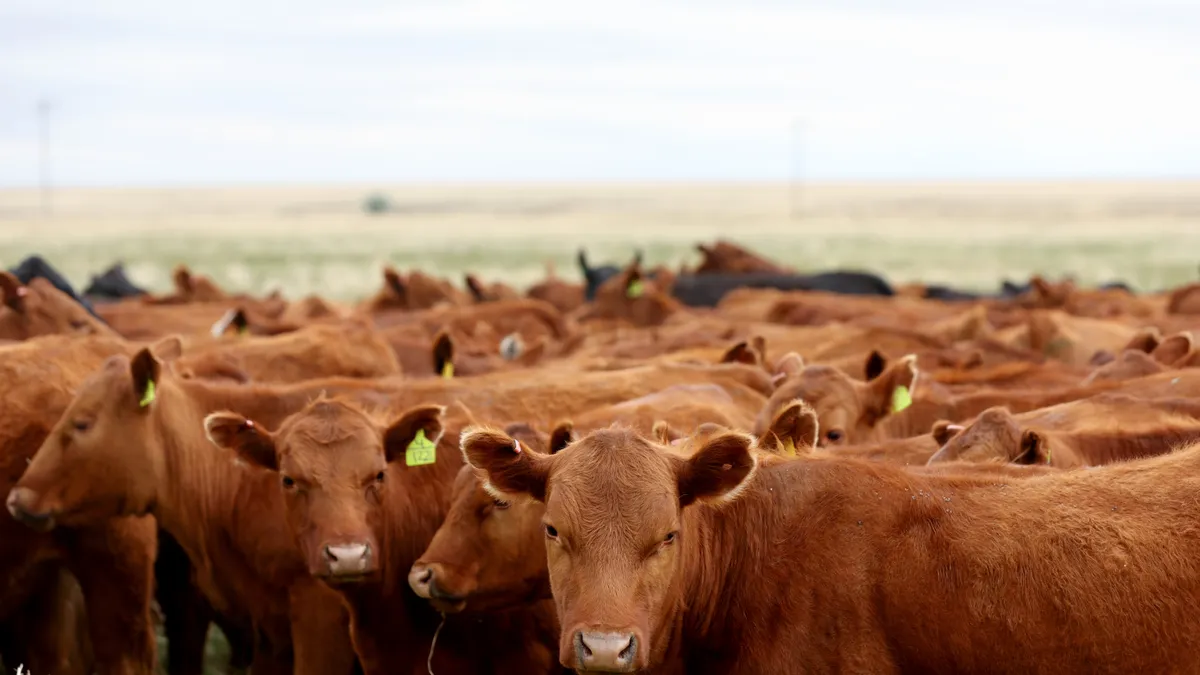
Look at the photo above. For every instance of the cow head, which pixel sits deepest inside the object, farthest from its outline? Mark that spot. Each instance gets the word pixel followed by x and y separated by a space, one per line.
pixel 488 553
pixel 616 517
pixel 994 436
pixel 41 309
pixel 333 462
pixel 847 409
pixel 104 456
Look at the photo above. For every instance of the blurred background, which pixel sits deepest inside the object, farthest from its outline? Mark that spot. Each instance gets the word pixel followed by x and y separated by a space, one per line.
pixel 301 145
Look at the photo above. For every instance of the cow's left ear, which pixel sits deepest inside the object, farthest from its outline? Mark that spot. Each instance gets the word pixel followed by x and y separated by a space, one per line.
pixel 718 471
pixel 414 435
pixel 892 390
pixel 251 442
pixel 793 431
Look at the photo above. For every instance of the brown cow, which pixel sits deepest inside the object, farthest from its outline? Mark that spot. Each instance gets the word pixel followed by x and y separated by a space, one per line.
pixel 735 562
pixel 1111 428
pixel 359 516
pixel 42 309
pixel 112 560
pixel 131 443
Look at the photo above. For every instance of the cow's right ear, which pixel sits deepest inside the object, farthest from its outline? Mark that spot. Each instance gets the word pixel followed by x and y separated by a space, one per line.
pixel 562 436
pixel 793 431
pixel 14 291
pixel 718 471
pixel 512 470
pixel 248 440
pixel 144 370
pixel 943 431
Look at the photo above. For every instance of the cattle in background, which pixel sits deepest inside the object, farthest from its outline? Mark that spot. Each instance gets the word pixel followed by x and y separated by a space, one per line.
pixel 112 285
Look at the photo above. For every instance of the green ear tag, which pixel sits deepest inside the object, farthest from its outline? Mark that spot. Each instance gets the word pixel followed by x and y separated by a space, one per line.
pixel 901 399
pixel 634 289
pixel 148 397
pixel 447 372
pixel 421 451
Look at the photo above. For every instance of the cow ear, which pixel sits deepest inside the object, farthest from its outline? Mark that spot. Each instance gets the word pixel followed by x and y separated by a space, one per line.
pixel 790 364
pixel 144 370
pixel 793 431
pixel 512 470
pixel 1033 449
pixel 391 278
pixel 1173 348
pixel 183 280
pixel 718 471
pixel 893 390
pixel 248 440
pixel 943 431
pixel 414 435
pixel 443 355
pixel 740 353
pixel 562 436
pixel 14 291
pixel 168 349
pixel 876 363
pixel 476 288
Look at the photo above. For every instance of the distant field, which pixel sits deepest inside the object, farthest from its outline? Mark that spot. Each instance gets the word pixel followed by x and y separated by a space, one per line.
pixel 319 239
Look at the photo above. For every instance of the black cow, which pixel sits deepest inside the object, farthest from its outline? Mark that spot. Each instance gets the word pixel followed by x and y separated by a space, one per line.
pixel 706 290
pixel 35 266
pixel 112 285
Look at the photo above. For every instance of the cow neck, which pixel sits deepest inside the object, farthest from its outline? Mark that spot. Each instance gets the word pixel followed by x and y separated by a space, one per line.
pixel 725 580
pixel 416 505
pixel 199 483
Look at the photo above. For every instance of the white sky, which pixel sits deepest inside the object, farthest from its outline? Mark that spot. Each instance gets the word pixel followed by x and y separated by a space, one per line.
pixel 228 91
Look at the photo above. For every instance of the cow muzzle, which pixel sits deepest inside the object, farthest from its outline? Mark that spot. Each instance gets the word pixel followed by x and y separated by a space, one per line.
pixel 424 581
pixel 605 652
pixel 20 506
pixel 348 561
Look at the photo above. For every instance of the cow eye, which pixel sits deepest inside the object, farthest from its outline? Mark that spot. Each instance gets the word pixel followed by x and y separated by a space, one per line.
pixel 500 504
pixel 379 477
pixel 833 435
pixel 288 482
pixel 671 537
pixel 81 425
pixel 551 532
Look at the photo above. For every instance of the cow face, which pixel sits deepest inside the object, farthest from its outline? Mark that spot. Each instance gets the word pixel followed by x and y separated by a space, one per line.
pixel 847 409
pixel 993 437
pixel 42 309
pixel 488 553
pixel 333 462
pixel 103 458
pixel 614 528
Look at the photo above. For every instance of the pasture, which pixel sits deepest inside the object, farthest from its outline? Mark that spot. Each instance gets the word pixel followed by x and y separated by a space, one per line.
pixel 319 239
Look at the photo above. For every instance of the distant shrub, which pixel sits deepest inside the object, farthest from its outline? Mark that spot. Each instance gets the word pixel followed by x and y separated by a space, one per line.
pixel 377 203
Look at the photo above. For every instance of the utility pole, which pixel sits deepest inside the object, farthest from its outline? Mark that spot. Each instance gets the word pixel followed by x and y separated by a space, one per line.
pixel 796 166
pixel 43 110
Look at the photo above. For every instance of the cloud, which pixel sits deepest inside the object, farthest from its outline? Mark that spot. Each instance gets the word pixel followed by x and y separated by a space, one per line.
pixel 533 89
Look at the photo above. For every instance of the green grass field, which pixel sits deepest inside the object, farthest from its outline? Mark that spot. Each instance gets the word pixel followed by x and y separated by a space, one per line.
pixel 319 239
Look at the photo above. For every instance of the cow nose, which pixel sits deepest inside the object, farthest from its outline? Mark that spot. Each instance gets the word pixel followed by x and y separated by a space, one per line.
pixel 419 577
pixel 348 559
pixel 18 500
pixel 605 652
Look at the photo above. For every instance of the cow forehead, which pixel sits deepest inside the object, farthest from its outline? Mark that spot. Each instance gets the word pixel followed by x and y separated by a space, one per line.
pixel 330 436
pixel 613 472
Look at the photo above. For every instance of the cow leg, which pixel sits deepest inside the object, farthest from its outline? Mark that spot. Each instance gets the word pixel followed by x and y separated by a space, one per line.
pixel 54 629
pixel 186 613
pixel 240 639
pixel 114 564
pixel 320 631
pixel 272 653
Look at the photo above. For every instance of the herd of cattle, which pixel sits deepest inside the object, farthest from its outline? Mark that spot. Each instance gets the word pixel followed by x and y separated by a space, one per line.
pixel 727 469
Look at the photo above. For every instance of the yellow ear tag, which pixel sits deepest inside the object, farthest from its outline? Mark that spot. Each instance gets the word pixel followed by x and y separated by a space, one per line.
pixel 421 451
pixel 448 370
pixel 901 399
pixel 789 447
pixel 148 397
pixel 1047 456
pixel 634 289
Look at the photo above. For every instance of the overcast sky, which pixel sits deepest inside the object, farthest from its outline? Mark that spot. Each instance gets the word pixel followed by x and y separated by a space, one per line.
pixel 228 91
